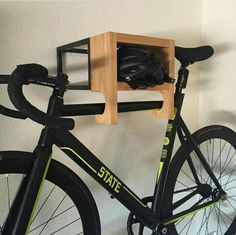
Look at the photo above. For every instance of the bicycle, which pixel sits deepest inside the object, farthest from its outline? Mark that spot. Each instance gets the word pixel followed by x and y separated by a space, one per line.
pixel 205 159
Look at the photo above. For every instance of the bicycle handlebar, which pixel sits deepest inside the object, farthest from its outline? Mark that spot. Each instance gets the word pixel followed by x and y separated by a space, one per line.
pixel 6 111
pixel 23 75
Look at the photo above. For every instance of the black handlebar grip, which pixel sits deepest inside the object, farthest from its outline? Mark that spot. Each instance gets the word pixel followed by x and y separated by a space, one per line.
pixel 20 77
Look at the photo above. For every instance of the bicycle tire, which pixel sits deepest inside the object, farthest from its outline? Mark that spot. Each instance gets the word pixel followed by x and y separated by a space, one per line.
pixel 179 172
pixel 63 183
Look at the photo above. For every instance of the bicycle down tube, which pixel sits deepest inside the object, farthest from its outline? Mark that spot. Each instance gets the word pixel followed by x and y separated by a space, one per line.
pixel 72 147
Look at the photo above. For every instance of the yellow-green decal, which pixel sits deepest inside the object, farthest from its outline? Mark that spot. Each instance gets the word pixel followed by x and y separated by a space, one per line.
pixel 160 169
pixel 174 114
pixel 66 148
pixel 144 205
pixel 166 141
pixel 190 213
pixel 109 179
pixel 169 127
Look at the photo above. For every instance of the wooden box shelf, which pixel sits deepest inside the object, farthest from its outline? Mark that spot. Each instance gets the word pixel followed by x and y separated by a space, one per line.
pixel 102 63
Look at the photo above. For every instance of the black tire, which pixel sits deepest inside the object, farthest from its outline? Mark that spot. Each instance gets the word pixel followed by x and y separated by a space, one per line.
pixel 62 183
pixel 214 219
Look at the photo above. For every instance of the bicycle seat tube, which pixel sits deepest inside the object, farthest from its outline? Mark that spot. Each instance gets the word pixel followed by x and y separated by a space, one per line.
pixel 169 140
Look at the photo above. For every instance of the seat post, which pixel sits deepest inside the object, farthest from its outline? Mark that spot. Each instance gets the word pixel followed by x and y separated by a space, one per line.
pixel 182 79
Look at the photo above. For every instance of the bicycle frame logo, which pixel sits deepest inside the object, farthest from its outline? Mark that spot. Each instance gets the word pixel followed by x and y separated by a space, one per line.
pixel 109 179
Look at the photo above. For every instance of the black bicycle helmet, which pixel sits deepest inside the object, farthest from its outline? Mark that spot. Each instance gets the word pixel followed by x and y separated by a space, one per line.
pixel 139 67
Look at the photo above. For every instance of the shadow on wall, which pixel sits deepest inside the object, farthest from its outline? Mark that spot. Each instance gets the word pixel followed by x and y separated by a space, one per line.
pixel 208 81
pixel 122 231
pixel 228 117
pixel 223 48
pixel 207 67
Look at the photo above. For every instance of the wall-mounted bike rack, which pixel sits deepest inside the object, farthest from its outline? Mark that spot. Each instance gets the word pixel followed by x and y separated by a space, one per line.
pixel 102 69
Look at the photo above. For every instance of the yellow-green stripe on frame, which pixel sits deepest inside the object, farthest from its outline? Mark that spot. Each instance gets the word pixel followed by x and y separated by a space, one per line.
pixel 66 148
pixel 144 205
pixel 190 213
pixel 160 169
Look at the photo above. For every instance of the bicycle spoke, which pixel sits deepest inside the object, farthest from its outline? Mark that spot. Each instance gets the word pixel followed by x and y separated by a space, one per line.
pixel 198 202
pixel 182 183
pixel 220 161
pixel 231 205
pixel 229 188
pixel 222 218
pixel 190 224
pixel 52 218
pixel 188 176
pixel 225 214
pixel 8 193
pixel 65 227
pixel 207 225
pixel 231 198
pixel 184 200
pixel 201 170
pixel 226 160
pixel 52 214
pixel 185 190
pixel 200 164
pixel 190 221
pixel 213 165
pixel 8 198
pixel 228 182
pixel 203 222
pixel 179 221
pixel 212 153
pixel 231 173
pixel 218 223
pixel 43 203
pixel 223 175
pixel 204 216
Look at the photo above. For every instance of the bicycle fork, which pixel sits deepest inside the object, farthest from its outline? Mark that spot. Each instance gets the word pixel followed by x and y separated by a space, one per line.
pixel 23 207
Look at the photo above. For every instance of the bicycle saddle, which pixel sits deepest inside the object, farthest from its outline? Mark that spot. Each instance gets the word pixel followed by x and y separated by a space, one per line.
pixel 191 55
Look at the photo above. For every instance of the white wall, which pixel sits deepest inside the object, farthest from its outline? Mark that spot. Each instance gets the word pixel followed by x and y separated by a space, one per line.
pixel 218 82
pixel 30 32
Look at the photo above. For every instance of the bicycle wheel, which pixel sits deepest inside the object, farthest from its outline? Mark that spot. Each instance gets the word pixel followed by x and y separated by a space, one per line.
pixel 65 206
pixel 218 145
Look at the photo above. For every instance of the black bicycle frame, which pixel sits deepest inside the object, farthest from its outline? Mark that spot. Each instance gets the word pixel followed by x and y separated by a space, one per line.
pixel 21 213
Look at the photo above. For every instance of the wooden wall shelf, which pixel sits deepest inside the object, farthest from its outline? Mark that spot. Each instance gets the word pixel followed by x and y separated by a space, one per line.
pixel 102 61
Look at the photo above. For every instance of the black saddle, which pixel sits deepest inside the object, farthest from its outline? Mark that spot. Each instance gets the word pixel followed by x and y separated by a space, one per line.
pixel 190 55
